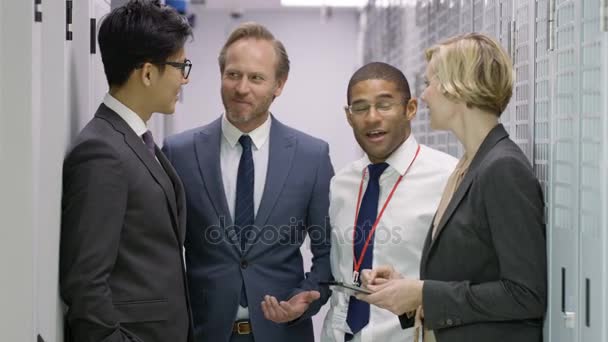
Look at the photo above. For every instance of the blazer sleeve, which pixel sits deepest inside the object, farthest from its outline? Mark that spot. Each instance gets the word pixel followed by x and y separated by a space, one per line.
pixel 319 232
pixel 514 209
pixel 93 206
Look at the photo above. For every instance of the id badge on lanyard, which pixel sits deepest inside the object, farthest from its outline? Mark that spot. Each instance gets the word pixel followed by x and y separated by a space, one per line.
pixel 357 263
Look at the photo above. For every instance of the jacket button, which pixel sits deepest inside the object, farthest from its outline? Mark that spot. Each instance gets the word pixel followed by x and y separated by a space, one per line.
pixel 244 264
pixel 449 322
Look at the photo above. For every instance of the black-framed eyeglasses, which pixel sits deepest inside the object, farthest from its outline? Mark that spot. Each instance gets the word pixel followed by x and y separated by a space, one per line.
pixel 184 66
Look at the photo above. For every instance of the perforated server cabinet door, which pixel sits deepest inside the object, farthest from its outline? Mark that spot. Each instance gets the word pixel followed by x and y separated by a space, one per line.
pixel 373 33
pixel 421 25
pixel 604 258
pixel 490 18
pixel 414 63
pixel 485 15
pixel 542 98
pixel 464 12
pixel 506 30
pixel 542 127
pixel 446 19
pixel 592 174
pixel 558 115
pixel 416 28
pixel 467 17
pixel 563 231
pixel 523 63
pixel 393 39
pixel 478 14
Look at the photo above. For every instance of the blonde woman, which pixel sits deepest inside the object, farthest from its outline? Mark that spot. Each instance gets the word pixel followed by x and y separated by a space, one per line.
pixel 483 269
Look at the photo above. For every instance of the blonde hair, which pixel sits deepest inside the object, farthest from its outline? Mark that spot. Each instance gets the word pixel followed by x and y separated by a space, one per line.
pixel 257 31
pixel 473 68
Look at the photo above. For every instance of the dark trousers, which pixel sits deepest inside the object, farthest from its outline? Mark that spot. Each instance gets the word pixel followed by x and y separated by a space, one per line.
pixel 241 338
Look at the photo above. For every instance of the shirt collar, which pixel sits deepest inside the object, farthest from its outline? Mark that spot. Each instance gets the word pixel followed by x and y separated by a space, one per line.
pixel 258 135
pixel 402 157
pixel 131 118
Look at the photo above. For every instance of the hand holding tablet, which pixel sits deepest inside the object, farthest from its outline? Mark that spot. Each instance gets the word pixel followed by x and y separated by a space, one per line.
pixel 344 286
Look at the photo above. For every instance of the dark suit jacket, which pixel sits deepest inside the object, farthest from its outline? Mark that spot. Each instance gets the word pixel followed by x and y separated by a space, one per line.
pixel 294 203
pixel 485 273
pixel 122 231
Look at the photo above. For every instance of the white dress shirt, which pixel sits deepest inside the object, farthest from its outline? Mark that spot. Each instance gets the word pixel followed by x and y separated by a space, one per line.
pixel 131 118
pixel 399 238
pixel 230 156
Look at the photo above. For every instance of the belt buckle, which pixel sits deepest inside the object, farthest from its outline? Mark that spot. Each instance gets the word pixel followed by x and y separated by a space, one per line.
pixel 242 327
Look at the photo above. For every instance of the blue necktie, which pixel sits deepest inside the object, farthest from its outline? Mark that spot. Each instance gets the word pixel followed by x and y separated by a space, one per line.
pixel 358 311
pixel 243 209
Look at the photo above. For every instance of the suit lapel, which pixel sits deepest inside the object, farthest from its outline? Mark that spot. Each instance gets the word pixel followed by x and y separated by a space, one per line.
pixel 455 201
pixel 207 146
pixel 494 136
pixel 426 249
pixel 138 147
pixel 178 193
pixel 281 152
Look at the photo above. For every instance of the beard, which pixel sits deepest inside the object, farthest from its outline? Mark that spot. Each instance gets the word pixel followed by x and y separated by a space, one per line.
pixel 246 115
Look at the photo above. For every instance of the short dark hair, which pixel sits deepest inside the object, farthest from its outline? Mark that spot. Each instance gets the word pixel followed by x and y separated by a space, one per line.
pixel 380 71
pixel 257 31
pixel 140 31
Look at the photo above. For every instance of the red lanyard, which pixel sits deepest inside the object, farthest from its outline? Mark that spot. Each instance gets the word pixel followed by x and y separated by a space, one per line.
pixel 358 263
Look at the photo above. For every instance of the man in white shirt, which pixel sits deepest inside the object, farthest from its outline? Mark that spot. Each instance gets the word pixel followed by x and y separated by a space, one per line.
pixel 390 195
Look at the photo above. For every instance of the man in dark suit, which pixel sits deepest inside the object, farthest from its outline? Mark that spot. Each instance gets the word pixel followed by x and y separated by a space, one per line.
pixel 122 273
pixel 254 189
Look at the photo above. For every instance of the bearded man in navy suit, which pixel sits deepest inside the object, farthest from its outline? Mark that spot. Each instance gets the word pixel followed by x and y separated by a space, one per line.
pixel 254 189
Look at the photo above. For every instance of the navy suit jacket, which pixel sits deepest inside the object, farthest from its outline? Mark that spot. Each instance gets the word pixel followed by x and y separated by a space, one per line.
pixel 294 203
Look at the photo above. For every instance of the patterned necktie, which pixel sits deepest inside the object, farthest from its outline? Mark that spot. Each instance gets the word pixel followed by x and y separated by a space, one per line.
pixel 243 209
pixel 149 141
pixel 358 311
